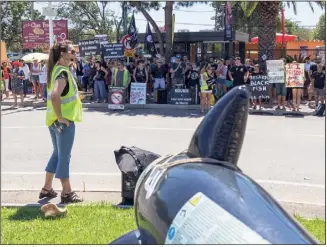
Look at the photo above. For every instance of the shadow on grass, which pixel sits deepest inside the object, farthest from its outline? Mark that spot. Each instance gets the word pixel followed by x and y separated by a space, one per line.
pixel 28 213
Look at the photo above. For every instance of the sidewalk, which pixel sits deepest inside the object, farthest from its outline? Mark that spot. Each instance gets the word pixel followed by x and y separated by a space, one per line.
pixel 266 109
pixel 22 198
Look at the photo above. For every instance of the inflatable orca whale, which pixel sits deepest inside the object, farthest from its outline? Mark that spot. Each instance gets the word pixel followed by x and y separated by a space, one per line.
pixel 201 196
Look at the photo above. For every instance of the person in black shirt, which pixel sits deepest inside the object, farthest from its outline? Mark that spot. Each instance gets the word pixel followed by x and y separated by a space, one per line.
pixel 177 71
pixel 319 78
pixel 100 92
pixel 194 83
pixel 158 72
pixel 238 73
pixel 140 74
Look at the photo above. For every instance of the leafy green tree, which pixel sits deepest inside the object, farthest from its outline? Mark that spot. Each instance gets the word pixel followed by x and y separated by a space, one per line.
pixel 268 13
pixel 12 15
pixel 320 30
pixel 86 17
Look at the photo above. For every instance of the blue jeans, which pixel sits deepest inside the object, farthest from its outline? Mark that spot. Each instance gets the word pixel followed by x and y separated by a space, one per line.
pixel 25 86
pixel 100 90
pixel 62 147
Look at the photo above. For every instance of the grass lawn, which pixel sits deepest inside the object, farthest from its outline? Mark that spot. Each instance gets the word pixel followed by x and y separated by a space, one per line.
pixel 94 224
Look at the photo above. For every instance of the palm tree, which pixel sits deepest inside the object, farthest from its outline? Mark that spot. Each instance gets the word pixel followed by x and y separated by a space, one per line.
pixel 268 12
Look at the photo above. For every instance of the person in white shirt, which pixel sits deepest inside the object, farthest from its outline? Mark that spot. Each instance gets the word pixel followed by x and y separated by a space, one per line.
pixel 35 70
pixel 27 74
pixel 43 79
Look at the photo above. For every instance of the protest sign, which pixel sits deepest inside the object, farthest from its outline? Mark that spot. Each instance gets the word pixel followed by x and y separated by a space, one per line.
pixel 275 71
pixel 180 97
pixel 295 75
pixel 116 98
pixel 259 86
pixel 138 93
pixel 102 38
pixel 112 51
pixel 89 47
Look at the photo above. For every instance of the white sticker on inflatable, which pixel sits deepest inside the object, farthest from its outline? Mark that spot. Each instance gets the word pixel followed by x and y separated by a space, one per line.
pixel 202 221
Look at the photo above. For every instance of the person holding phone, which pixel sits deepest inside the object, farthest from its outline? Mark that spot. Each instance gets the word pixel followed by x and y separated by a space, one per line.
pixel 64 108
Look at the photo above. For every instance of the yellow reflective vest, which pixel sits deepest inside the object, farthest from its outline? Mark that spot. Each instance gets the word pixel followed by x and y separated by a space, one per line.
pixel 125 78
pixel 71 105
pixel 204 84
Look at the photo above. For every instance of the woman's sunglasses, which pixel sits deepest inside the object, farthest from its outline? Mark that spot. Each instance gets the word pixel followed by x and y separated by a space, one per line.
pixel 72 52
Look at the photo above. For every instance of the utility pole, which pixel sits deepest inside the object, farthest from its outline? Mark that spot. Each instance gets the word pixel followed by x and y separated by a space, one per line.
pixel 125 18
pixel 32 11
pixel 51 38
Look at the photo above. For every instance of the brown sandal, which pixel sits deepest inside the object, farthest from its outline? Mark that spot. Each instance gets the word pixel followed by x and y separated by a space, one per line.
pixel 49 194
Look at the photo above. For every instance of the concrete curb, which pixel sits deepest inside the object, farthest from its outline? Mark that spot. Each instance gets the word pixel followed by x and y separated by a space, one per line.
pixel 104 106
pixel 309 211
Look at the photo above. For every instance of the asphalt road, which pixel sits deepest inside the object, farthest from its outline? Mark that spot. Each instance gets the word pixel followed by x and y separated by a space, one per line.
pixel 285 155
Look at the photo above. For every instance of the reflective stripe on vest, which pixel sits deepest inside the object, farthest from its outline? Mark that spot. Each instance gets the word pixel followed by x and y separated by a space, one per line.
pixel 69 99
pixel 125 77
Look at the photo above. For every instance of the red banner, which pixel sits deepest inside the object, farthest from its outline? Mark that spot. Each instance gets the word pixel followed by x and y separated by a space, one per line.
pixel 36 33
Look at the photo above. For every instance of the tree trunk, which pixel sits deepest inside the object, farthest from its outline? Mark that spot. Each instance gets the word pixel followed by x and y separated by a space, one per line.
pixel 267 30
pixel 138 5
pixel 169 29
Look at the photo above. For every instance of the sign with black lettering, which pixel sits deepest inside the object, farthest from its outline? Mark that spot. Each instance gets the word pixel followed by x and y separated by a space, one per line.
pixel 112 51
pixel 259 86
pixel 180 97
pixel 89 48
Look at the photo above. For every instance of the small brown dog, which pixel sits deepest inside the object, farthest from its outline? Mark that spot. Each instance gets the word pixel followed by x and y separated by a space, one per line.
pixel 52 210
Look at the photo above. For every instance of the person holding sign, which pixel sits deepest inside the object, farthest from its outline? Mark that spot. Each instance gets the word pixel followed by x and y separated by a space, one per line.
pixel 140 74
pixel 121 76
pixel 255 99
pixel 295 80
pixel 281 91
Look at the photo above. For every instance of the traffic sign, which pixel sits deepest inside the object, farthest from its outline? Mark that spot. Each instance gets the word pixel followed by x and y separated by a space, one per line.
pixel 49 11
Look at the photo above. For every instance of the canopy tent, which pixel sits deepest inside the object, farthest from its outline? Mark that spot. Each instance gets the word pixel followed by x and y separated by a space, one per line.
pixel 279 38
pixel 39 56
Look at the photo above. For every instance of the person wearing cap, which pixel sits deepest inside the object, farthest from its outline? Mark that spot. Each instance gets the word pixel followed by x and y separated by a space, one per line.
pixel 177 72
pixel 17 77
pixel 35 71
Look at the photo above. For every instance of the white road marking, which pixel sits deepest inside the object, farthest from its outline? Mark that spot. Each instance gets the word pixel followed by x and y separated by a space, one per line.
pixel 289 183
pixel 23 127
pixel 73 173
pixel 151 128
pixel 154 128
pixel 97 174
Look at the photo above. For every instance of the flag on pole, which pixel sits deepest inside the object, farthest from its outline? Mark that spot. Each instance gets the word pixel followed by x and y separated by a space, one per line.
pixel 173 29
pixel 149 45
pixel 132 32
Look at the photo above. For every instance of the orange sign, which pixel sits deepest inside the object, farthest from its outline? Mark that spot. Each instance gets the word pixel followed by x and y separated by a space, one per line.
pixel 128 53
pixel 3 53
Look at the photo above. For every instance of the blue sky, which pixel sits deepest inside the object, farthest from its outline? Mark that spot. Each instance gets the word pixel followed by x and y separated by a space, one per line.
pixel 198 17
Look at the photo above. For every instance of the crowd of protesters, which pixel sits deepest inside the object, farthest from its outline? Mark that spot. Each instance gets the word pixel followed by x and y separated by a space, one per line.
pixel 210 79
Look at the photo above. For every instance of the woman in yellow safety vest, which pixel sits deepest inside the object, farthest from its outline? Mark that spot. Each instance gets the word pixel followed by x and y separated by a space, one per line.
pixel 206 76
pixel 64 108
